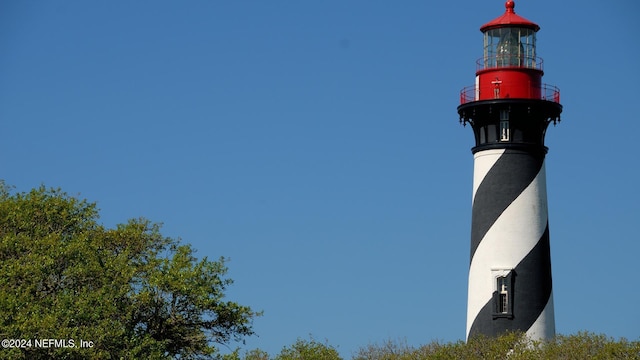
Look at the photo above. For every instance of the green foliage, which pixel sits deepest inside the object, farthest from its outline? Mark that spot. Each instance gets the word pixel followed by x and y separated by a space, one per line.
pixel 308 350
pixel 512 346
pixel 389 349
pixel 586 345
pixel 256 354
pixel 130 291
pixel 300 350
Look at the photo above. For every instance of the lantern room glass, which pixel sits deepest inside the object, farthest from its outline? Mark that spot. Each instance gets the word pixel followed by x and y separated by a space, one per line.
pixel 510 46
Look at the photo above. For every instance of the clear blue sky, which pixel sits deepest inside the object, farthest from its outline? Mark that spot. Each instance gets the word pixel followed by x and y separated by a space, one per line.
pixel 317 145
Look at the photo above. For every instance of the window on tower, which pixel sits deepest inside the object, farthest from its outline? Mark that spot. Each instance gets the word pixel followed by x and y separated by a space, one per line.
pixel 504 125
pixel 503 295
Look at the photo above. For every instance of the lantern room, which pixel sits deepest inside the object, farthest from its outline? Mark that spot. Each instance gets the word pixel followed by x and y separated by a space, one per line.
pixel 509 67
pixel 509 40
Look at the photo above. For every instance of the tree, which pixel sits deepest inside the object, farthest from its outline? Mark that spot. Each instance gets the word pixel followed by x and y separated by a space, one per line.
pixel 300 350
pixel 126 292
pixel 512 346
pixel 308 350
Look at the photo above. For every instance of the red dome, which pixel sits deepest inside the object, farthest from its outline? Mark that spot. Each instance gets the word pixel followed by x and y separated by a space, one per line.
pixel 509 18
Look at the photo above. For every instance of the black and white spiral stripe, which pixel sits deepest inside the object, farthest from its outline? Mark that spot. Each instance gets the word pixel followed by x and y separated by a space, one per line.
pixel 510 233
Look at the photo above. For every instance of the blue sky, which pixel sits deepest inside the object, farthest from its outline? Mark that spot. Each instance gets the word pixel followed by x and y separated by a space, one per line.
pixel 317 145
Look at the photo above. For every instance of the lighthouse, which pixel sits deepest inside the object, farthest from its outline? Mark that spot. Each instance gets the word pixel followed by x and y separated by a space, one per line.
pixel 509 110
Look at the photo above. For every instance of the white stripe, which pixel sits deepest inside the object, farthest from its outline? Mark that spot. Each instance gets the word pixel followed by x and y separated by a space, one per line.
pixel 483 161
pixel 514 234
pixel 545 326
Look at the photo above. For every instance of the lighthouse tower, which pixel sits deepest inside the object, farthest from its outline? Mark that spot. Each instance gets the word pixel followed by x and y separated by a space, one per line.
pixel 509 110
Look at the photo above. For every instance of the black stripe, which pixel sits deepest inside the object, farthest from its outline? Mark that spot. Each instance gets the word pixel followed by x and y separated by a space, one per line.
pixel 504 182
pixel 532 290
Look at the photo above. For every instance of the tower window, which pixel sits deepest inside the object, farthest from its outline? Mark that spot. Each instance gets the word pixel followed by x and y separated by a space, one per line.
pixel 503 293
pixel 503 296
pixel 505 132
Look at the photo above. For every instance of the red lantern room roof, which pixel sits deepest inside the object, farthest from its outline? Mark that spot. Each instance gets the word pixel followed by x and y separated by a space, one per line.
pixel 509 18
